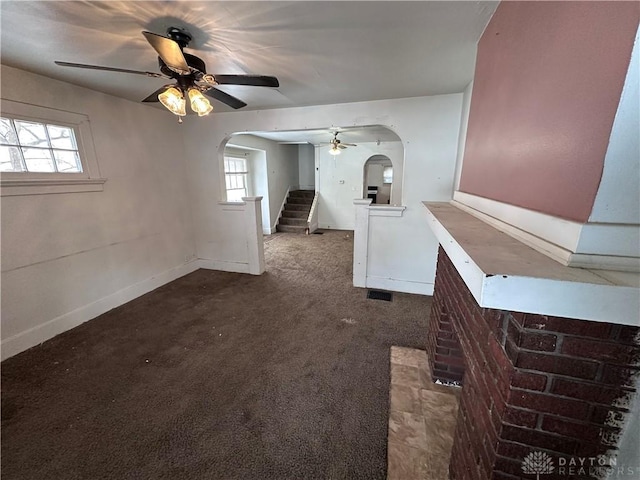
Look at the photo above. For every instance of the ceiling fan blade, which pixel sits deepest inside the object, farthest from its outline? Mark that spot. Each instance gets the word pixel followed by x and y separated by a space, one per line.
pixel 340 145
pixel 252 80
pixel 224 97
pixel 169 51
pixel 109 69
pixel 349 144
pixel 154 96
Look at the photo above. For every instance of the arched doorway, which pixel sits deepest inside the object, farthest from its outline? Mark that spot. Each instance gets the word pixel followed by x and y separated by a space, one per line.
pixel 378 179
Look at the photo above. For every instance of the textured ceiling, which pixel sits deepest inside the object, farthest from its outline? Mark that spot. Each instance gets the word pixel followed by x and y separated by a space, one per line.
pixel 372 133
pixel 322 52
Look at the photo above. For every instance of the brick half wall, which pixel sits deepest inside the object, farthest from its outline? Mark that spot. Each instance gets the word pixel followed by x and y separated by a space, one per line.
pixel 531 383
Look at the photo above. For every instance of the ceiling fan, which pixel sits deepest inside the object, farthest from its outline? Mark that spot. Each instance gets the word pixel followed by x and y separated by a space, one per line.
pixel 337 145
pixel 190 74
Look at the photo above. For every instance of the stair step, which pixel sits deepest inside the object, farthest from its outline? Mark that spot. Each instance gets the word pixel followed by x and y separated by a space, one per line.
pixel 295 214
pixel 300 222
pixel 298 207
pixel 302 193
pixel 290 229
pixel 300 200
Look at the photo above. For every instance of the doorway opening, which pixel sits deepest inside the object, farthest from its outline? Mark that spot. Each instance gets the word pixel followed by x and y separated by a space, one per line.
pixel 378 179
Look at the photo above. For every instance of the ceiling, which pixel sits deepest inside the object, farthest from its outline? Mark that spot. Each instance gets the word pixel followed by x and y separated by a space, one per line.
pixel 372 133
pixel 322 52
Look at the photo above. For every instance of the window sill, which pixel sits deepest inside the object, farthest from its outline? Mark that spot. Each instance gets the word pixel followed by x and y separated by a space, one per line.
pixel 14 187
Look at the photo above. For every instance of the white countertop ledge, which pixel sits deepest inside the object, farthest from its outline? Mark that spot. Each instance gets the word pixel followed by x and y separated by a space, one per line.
pixel 505 274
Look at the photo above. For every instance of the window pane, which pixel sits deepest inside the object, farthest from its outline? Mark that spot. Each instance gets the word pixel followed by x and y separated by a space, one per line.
pixel 10 159
pixel 235 195
pixel 241 181
pixel 38 160
pixel 227 180
pixel 7 133
pixel 387 175
pixel 31 134
pixel 67 162
pixel 61 137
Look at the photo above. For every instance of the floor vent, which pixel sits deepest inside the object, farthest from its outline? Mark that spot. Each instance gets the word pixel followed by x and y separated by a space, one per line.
pixel 318 233
pixel 379 295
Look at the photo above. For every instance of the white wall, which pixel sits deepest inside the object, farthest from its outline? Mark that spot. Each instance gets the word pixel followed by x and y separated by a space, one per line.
pixel 341 180
pixel 281 171
pixel 69 257
pixel 258 181
pixel 618 197
pixel 462 138
pixel 306 167
pixel 428 127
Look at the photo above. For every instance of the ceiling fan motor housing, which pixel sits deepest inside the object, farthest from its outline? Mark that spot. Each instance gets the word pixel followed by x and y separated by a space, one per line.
pixel 181 37
pixel 193 61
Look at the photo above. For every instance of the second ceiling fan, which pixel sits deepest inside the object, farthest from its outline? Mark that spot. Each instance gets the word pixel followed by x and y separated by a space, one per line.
pixel 337 145
pixel 190 74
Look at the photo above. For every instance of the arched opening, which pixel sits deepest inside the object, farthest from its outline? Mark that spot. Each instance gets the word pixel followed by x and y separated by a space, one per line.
pixel 279 162
pixel 378 179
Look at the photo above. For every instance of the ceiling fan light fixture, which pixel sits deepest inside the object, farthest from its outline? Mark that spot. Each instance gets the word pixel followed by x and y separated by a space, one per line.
pixel 174 101
pixel 199 103
pixel 334 150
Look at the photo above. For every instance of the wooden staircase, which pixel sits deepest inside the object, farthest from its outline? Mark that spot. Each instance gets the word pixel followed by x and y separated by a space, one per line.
pixel 296 211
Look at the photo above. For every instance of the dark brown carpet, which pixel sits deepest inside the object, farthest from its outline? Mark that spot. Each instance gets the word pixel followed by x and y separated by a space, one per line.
pixel 218 375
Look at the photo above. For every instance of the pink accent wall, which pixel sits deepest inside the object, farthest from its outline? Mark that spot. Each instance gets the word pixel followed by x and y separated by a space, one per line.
pixel 547 85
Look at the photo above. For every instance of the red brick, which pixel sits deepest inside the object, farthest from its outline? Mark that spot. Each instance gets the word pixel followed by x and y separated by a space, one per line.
pixel 513 450
pixel 608 416
pixel 512 351
pixel 548 404
pixel 528 381
pixel 603 351
pixel 580 431
pixel 616 375
pixel 590 392
pixel 519 317
pixel 503 476
pixel 508 466
pixel 538 341
pixel 513 332
pixel 451 344
pixel 628 334
pixel 494 320
pixel 560 365
pixel 446 326
pixel 522 418
pixel 536 438
pixel 442 351
pixel 444 335
pixel 569 326
pixel 440 366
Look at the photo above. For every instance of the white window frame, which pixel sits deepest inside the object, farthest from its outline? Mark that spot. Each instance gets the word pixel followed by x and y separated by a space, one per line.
pixel 386 168
pixel 35 183
pixel 245 173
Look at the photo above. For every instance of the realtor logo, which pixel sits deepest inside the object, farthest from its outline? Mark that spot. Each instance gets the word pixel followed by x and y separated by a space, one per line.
pixel 537 463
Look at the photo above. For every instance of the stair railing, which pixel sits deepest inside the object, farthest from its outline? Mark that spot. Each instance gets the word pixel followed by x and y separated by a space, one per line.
pixel 312 219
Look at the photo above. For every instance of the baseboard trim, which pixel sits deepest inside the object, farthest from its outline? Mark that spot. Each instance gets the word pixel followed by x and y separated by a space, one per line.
pixel 394 285
pixel 234 267
pixel 36 335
